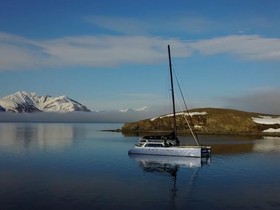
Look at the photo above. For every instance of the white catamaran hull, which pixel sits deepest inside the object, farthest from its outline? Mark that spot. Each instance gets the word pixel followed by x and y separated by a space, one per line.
pixel 180 151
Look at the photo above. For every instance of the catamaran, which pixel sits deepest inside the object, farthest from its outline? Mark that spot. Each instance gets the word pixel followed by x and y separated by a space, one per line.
pixel 169 145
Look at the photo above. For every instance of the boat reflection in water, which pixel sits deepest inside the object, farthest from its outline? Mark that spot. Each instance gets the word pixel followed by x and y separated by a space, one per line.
pixel 170 165
pixel 155 163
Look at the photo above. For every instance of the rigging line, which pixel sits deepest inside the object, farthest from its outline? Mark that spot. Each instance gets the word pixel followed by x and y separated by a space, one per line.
pixel 190 127
pixel 188 123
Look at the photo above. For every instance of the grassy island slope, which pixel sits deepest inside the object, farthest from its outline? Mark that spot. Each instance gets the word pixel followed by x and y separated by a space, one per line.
pixel 211 121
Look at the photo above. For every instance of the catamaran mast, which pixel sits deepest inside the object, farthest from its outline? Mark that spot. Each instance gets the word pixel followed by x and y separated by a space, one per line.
pixel 172 93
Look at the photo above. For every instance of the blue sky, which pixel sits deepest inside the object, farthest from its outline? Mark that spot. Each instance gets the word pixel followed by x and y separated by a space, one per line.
pixel 113 54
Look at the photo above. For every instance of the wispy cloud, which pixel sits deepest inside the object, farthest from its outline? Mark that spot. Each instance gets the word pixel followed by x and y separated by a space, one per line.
pixel 188 23
pixel 110 50
pixel 148 25
pixel 93 51
pixel 251 47
pixel 121 25
pixel 19 53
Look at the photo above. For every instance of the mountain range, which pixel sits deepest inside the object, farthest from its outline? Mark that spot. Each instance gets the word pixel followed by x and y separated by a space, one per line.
pixel 22 101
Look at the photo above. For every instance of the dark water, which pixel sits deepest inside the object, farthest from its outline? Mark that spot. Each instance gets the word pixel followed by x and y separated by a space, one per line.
pixel 77 166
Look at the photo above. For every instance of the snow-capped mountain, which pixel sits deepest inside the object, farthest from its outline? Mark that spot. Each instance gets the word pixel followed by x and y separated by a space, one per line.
pixel 22 101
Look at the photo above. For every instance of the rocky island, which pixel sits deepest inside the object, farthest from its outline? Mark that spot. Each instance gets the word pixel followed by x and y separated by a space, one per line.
pixel 211 121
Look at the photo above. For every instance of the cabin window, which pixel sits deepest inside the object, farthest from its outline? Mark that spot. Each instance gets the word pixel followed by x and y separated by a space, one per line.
pixel 154 145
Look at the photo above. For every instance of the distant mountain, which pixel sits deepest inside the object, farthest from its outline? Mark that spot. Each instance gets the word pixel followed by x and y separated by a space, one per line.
pixel 135 110
pixel 211 121
pixel 22 101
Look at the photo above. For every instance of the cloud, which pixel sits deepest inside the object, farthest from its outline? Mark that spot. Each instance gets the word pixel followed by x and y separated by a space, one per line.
pixel 120 24
pixel 186 23
pixel 250 47
pixel 148 25
pixel 91 51
pixel 263 100
pixel 110 50
pixel 19 53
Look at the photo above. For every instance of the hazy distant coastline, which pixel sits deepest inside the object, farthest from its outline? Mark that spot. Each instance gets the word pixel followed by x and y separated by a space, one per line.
pixel 72 117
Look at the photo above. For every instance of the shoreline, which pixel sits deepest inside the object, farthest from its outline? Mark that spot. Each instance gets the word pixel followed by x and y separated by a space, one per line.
pixel 181 133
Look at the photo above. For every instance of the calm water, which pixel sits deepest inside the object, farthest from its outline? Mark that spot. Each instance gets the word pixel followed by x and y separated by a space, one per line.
pixel 77 166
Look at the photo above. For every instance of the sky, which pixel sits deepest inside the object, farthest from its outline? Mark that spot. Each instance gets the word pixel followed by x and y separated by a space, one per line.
pixel 112 55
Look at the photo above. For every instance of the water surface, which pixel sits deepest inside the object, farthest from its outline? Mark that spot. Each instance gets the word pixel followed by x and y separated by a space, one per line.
pixel 77 166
